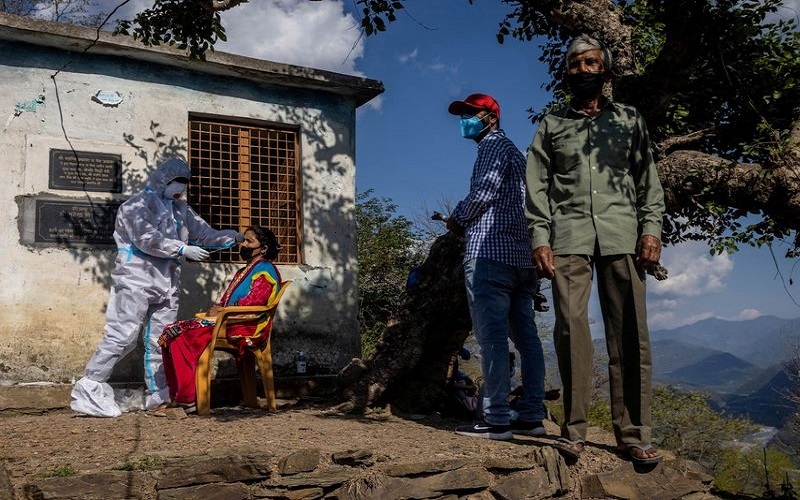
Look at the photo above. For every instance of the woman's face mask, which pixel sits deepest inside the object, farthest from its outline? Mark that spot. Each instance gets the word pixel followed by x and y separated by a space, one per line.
pixel 471 126
pixel 246 253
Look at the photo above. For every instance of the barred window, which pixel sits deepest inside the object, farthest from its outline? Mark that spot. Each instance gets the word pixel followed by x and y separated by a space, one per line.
pixel 243 175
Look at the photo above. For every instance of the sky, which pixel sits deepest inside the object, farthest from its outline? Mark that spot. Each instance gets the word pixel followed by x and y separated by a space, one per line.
pixel 409 149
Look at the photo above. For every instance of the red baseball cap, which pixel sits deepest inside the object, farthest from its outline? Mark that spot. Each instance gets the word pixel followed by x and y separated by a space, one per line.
pixel 473 104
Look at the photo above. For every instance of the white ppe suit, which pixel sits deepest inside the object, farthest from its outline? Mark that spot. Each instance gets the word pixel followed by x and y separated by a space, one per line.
pixel 151 232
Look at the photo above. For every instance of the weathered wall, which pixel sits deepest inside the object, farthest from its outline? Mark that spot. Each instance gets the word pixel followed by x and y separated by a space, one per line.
pixel 53 297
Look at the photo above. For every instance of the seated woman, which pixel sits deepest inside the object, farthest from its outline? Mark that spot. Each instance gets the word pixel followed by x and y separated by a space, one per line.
pixel 255 284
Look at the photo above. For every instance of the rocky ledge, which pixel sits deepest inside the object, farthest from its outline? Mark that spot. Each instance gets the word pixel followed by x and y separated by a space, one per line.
pixel 354 474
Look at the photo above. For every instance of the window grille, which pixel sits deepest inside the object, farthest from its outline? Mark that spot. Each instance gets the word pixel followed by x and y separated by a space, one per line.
pixel 244 175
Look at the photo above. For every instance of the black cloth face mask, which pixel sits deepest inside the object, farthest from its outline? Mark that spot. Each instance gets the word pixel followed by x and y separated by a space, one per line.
pixel 586 85
pixel 245 252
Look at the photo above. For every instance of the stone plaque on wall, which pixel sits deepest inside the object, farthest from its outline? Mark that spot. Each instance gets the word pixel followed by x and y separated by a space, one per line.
pixel 75 221
pixel 85 171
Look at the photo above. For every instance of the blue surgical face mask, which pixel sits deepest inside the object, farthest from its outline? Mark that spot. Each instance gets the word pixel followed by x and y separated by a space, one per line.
pixel 471 126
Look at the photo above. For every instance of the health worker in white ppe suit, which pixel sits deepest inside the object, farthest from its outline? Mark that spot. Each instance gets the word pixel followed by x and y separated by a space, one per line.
pixel 153 230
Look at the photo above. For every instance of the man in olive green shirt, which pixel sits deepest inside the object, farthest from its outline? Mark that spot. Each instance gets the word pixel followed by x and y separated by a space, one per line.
pixel 595 203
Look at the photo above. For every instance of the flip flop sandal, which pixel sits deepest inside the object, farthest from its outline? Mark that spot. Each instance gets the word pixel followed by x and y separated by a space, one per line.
pixel 189 408
pixel 568 448
pixel 631 451
pixel 186 407
pixel 158 411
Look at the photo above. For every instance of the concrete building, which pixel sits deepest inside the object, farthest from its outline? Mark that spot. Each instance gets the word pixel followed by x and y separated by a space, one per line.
pixel 86 115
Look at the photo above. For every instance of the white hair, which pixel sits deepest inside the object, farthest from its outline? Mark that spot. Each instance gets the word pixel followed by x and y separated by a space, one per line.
pixel 583 43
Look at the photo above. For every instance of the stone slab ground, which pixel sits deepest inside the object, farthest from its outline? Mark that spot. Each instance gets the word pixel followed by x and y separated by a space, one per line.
pixel 308 449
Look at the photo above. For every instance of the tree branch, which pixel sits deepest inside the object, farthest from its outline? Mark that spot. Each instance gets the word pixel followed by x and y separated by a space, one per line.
pixel 670 144
pixel 691 177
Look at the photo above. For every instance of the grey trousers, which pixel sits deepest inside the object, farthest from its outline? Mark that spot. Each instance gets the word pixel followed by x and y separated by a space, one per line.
pixel 621 291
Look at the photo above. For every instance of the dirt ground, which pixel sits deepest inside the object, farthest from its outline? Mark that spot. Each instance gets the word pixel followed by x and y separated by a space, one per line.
pixel 36 445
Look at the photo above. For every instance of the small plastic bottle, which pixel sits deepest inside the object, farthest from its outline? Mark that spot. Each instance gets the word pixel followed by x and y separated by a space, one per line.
pixel 301 362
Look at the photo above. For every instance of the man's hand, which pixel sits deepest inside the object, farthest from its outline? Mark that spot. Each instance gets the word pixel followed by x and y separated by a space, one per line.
pixel 649 252
pixel 543 262
pixel 455 227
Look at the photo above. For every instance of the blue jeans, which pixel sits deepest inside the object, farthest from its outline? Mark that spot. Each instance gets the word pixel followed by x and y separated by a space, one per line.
pixel 500 301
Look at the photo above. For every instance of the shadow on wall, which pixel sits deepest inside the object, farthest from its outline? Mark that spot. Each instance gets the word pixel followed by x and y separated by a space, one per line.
pixel 327 124
pixel 324 210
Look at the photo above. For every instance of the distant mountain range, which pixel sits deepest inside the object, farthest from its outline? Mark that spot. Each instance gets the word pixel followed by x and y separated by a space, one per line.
pixel 763 341
pixel 740 364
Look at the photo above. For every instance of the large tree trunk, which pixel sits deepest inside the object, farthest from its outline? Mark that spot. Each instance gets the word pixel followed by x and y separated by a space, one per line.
pixel 409 365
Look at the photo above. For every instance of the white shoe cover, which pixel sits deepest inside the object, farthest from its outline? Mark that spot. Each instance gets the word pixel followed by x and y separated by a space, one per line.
pixel 155 399
pixel 129 399
pixel 95 399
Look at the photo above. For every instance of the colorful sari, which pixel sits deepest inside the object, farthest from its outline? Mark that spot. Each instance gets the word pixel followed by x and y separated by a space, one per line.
pixel 184 341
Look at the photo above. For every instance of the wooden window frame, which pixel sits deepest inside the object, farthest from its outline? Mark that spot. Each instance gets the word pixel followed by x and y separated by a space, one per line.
pixel 244 173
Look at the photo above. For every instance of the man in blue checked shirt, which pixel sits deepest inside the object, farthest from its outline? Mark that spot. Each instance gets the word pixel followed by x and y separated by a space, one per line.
pixel 499 273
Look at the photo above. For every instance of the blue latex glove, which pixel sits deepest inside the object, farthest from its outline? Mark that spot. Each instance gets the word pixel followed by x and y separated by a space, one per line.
pixel 239 237
pixel 194 253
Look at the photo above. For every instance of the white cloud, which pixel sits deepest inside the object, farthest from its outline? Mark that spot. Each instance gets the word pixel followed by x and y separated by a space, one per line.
pixel 692 271
pixel 661 312
pixel 417 61
pixel 671 319
pixel 318 35
pixel 694 318
pixel 404 58
pixel 664 304
pixel 437 67
pixel 661 319
pixel 314 34
pixel 747 314
pixel 127 11
pixel 789 10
